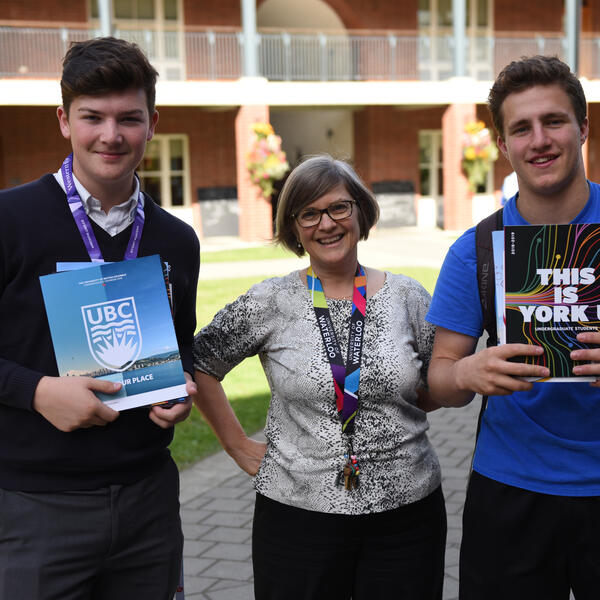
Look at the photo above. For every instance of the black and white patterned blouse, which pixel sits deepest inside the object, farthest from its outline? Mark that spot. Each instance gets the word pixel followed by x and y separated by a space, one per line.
pixel 275 319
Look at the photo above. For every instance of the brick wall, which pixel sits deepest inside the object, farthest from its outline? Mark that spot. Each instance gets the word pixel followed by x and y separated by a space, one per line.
pixel 61 11
pixel 211 143
pixel 457 198
pixel 223 13
pixel 211 137
pixel 590 17
pixel 516 15
pixel 30 144
pixel 593 144
pixel 376 14
pixel 509 15
pixel 386 142
pixel 355 14
pixel 256 220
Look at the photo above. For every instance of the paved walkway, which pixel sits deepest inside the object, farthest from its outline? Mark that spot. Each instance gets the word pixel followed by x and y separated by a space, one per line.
pixel 217 498
pixel 217 502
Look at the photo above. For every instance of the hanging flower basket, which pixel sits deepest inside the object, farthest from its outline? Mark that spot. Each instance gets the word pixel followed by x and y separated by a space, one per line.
pixel 266 161
pixel 478 154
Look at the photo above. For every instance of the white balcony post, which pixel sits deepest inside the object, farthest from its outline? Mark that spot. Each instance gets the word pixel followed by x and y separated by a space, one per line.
pixel 323 46
pixel 105 14
pixel 392 43
pixel 572 25
pixel 250 38
pixel 211 39
pixel 287 55
pixel 459 13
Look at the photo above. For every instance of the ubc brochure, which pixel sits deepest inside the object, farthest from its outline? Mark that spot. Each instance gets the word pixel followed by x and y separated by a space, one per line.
pixel 551 291
pixel 113 321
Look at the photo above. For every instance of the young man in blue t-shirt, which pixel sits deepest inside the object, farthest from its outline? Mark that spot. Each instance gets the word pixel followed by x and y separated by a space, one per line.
pixel 531 524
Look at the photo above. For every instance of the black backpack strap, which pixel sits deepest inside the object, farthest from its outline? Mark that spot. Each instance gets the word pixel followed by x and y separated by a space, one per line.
pixel 486 282
pixel 485 272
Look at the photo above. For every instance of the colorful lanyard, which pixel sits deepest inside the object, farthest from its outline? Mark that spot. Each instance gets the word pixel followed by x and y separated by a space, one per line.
pixel 83 222
pixel 346 377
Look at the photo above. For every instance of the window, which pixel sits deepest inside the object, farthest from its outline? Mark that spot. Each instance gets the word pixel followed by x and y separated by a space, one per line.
pixel 156 26
pixel 430 163
pixel 140 9
pixel 163 171
pixel 431 174
pixel 435 20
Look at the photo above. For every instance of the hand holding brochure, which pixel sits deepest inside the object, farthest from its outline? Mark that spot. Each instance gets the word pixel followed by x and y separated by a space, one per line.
pixel 113 321
pixel 552 291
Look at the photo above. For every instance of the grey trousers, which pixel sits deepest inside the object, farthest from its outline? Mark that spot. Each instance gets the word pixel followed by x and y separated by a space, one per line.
pixel 119 543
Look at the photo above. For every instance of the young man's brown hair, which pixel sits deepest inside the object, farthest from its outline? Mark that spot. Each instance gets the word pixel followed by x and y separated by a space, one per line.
pixel 103 65
pixel 527 72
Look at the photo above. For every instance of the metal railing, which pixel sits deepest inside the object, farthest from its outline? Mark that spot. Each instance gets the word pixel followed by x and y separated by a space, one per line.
pixel 35 53
pixel 210 55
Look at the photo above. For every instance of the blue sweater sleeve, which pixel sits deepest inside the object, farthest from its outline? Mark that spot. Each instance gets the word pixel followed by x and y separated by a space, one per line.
pixel 455 304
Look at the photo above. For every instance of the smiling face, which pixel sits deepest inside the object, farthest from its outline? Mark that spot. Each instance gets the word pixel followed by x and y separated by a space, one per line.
pixel 331 243
pixel 108 135
pixel 542 140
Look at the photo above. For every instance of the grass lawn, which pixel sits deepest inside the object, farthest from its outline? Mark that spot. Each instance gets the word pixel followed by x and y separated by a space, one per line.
pixel 246 386
pixel 253 253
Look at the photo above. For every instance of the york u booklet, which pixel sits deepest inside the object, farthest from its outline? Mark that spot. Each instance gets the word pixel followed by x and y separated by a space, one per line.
pixel 113 321
pixel 551 291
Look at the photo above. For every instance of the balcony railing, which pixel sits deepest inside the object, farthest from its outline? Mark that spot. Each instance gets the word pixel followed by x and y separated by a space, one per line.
pixel 211 55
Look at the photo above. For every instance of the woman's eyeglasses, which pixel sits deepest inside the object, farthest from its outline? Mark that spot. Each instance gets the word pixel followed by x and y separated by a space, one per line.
pixel 337 211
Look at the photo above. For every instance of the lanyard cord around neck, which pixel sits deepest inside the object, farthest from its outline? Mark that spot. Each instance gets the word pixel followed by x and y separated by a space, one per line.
pixel 83 222
pixel 346 376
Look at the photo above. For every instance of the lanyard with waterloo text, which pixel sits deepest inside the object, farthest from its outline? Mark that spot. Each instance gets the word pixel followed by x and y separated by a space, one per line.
pixel 346 377
pixel 83 222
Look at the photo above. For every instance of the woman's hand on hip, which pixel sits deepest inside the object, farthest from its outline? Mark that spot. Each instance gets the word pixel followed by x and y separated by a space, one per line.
pixel 249 455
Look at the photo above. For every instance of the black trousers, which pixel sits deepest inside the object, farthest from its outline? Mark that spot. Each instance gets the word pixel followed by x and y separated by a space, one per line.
pixel 522 545
pixel 116 543
pixel 306 555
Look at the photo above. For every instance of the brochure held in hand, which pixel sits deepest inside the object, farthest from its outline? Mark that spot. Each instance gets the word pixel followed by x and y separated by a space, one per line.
pixel 113 321
pixel 548 291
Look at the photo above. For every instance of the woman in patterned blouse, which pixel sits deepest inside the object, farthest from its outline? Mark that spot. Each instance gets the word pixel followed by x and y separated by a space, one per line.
pixel 348 494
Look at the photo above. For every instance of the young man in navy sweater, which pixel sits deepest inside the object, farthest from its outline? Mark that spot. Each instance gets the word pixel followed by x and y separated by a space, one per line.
pixel 531 524
pixel 89 502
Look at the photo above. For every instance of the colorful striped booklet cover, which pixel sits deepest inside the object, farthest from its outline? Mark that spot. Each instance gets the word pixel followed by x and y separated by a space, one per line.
pixel 551 291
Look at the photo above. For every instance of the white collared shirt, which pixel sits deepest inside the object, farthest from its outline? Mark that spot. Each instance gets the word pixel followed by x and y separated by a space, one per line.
pixel 119 217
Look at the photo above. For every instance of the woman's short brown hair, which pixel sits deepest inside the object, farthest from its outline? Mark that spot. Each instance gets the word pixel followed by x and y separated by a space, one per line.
pixel 309 181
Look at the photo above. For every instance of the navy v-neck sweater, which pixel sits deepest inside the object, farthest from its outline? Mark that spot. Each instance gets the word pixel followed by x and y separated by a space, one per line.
pixel 36 231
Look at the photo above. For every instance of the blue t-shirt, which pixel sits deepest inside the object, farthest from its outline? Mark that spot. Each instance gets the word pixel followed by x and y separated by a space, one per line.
pixel 546 440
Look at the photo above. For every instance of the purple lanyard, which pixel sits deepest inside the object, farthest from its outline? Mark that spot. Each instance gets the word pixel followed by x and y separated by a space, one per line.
pixel 83 222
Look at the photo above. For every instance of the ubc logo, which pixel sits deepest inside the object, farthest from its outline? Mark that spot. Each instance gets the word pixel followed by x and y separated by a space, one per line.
pixel 113 333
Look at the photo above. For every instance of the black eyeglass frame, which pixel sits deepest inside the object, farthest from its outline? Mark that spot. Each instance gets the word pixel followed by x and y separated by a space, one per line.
pixel 326 210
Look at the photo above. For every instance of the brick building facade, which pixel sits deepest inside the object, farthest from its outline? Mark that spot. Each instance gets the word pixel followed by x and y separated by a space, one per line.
pixel 374 76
